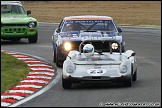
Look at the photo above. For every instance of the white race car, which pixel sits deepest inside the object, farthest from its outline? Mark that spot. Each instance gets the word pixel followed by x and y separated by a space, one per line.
pixel 99 64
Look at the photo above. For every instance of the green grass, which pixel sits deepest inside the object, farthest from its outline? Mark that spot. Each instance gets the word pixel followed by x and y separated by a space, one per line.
pixel 12 71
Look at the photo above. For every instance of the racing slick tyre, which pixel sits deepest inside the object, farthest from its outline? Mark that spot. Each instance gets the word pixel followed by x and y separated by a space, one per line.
pixel 54 56
pixel 58 61
pixel 135 76
pixel 123 50
pixel 127 83
pixel 66 84
pixel 34 38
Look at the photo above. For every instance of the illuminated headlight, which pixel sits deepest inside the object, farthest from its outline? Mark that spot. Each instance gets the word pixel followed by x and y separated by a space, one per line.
pixel 31 25
pixel 123 69
pixel 114 46
pixel 69 69
pixel 67 46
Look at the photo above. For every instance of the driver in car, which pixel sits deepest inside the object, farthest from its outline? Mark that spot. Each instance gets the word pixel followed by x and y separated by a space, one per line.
pixel 69 27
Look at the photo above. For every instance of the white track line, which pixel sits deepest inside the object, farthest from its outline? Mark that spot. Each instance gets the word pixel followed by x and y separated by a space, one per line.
pixel 21 91
pixel 45 77
pixel 14 97
pixel 48 73
pixel 39 81
pixel 4 104
pixel 33 86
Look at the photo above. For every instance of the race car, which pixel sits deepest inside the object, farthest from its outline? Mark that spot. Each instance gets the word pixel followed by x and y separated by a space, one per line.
pixel 99 64
pixel 16 22
pixel 72 29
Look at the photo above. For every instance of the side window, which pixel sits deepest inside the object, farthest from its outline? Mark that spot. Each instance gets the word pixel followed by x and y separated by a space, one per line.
pixel 111 26
pixel 6 8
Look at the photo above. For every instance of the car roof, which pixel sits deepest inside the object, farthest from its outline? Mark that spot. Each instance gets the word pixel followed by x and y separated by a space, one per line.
pixel 88 17
pixel 11 2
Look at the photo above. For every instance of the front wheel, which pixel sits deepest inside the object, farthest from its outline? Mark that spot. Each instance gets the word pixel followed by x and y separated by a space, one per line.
pixel 123 49
pixel 135 76
pixel 58 61
pixel 66 84
pixel 128 82
pixel 34 38
pixel 54 56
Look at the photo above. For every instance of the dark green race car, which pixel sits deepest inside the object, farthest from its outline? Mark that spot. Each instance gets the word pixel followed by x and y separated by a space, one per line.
pixel 16 24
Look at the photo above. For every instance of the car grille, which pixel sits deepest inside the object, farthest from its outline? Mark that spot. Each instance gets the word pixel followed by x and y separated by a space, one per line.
pixel 18 28
pixel 11 30
pixel 96 78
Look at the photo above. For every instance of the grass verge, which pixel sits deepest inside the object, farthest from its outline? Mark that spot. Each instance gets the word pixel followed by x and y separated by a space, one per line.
pixel 12 71
pixel 131 12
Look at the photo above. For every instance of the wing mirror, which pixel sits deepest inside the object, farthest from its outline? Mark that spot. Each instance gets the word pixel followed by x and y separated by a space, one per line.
pixel 133 54
pixel 119 29
pixel 28 12
pixel 58 30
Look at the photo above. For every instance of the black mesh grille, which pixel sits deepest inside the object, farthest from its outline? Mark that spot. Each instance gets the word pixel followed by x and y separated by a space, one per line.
pixel 17 30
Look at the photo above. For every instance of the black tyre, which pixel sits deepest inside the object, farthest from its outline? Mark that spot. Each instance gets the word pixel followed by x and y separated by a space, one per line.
pixel 123 49
pixel 127 83
pixel 66 84
pixel 135 76
pixel 34 38
pixel 54 56
pixel 58 61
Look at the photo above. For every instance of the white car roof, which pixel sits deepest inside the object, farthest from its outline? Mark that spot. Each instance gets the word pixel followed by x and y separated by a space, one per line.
pixel 11 2
pixel 88 17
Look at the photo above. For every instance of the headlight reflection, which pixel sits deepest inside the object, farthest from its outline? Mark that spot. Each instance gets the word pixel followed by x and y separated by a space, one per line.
pixel 67 46
pixel 114 46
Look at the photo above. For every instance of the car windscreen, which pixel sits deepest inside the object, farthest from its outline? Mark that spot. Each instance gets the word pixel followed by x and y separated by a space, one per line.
pixel 89 25
pixel 12 9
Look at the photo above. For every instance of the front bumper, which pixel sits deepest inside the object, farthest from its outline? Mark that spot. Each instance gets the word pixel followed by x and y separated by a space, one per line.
pixel 17 32
pixel 96 79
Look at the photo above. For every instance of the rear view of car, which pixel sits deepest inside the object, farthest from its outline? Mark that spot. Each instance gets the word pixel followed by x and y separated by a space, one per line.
pixel 16 24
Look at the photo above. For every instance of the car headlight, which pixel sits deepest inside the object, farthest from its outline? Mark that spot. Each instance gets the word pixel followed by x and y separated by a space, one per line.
pixel 67 46
pixel 31 25
pixel 114 46
pixel 123 69
pixel 69 69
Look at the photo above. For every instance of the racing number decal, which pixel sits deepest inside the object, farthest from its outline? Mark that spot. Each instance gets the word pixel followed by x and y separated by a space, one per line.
pixel 96 72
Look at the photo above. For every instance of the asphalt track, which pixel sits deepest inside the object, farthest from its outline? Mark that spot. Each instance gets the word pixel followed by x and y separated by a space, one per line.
pixel 146 91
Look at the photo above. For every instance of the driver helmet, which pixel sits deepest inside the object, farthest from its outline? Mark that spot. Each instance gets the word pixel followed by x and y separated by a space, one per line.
pixel 88 50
